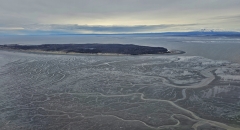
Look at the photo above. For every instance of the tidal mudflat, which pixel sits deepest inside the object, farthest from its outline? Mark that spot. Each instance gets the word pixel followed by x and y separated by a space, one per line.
pixel 68 92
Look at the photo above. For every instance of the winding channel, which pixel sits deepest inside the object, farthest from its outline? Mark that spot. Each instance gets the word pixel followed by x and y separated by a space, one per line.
pixel 209 78
pixel 200 121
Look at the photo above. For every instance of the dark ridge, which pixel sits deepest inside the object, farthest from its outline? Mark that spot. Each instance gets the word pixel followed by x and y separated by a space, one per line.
pixel 91 48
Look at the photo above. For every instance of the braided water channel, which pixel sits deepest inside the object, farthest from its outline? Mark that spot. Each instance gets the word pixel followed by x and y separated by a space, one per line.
pixel 106 92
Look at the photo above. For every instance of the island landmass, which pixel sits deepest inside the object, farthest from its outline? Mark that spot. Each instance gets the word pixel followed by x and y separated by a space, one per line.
pixel 93 48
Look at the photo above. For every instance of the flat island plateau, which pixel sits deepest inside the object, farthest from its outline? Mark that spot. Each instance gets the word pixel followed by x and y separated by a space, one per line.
pixel 41 91
pixel 117 49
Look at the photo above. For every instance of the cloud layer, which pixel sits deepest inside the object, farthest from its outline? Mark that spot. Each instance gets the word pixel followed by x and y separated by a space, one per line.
pixel 120 15
pixel 92 29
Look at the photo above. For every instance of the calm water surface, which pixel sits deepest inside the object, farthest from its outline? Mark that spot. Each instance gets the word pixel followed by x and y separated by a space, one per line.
pixel 217 48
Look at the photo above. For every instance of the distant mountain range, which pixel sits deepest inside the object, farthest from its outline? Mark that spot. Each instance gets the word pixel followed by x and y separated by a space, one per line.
pixel 200 33
pixel 192 33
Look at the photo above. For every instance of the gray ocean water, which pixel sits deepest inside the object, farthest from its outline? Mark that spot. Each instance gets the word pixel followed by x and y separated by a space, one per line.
pixel 217 48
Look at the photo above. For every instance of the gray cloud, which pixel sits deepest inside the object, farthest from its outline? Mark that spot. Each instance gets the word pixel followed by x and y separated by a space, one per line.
pixel 228 18
pixel 224 17
pixel 21 13
pixel 80 29
pixel 136 28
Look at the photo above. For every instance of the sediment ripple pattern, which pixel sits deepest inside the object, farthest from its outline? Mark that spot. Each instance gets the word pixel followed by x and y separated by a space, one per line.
pixel 118 92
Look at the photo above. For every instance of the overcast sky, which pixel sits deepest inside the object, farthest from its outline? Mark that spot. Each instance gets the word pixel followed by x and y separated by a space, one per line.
pixel 117 16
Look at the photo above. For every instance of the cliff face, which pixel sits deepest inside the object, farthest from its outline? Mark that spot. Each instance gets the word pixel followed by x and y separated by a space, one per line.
pixel 91 48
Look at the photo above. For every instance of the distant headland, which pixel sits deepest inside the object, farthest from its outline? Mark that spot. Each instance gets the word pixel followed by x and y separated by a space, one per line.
pixel 111 49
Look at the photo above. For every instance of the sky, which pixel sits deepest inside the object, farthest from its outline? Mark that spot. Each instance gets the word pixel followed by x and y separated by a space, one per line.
pixel 24 17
